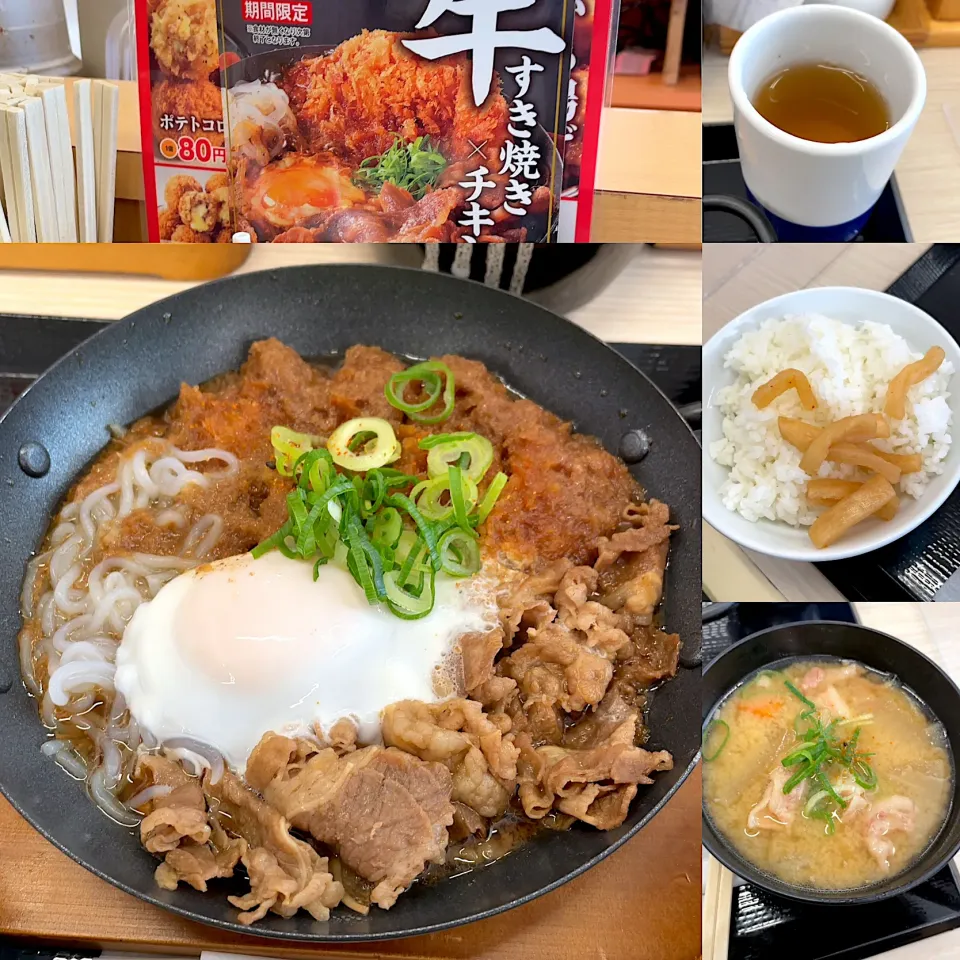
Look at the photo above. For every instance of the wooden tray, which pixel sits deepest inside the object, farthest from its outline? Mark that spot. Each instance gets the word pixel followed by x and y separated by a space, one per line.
pixel 644 901
pixel 911 17
pixel 167 261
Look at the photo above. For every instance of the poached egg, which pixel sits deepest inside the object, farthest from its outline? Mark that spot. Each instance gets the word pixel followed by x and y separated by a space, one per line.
pixel 238 647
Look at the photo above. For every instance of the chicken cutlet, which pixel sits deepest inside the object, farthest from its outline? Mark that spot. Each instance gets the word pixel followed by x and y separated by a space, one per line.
pixel 354 100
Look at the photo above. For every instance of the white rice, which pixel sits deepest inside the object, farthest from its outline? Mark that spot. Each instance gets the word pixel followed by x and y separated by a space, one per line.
pixel 849 367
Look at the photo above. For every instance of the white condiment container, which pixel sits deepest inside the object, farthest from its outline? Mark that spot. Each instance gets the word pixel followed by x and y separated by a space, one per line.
pixel 34 38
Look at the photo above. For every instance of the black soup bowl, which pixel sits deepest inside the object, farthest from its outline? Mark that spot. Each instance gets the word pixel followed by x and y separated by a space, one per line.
pixel 873 649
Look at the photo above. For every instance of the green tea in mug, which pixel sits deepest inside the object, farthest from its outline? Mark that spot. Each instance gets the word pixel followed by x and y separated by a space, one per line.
pixel 823 102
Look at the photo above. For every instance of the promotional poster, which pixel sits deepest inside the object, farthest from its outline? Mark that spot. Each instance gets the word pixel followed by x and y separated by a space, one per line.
pixel 403 121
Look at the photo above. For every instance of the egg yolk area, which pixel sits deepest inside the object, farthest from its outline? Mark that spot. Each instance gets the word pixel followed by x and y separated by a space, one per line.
pixel 297 188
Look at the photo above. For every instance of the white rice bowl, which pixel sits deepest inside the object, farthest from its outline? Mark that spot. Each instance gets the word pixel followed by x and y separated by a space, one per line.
pixel 850 344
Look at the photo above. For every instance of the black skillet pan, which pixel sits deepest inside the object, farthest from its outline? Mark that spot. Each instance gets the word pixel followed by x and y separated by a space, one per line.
pixel 137 366
pixel 881 652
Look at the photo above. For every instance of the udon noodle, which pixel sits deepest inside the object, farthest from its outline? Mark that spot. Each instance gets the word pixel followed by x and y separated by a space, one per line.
pixel 78 598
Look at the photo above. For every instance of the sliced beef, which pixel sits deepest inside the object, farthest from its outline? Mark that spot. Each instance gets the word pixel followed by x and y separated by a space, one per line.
pixel 631 564
pixel 529 602
pixel 286 874
pixel 180 815
pixel 478 652
pixel 384 812
pixel 196 865
pixel 595 785
pixel 653 655
pixel 457 733
pixel 555 665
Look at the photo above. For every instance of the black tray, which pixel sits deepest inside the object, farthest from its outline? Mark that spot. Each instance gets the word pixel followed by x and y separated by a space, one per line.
pixel 29 345
pixel 916 566
pixel 721 175
pixel 764 926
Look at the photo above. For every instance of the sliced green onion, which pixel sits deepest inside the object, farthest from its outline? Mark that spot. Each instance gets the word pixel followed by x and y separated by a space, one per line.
pixel 460 497
pixel 397 478
pixel 427 532
pixel 430 383
pixel 459 553
pixel 429 375
pixel 272 542
pixel 428 496
pixel 478 451
pixel 825 783
pixel 711 727
pixel 435 439
pixel 412 562
pixel 807 770
pixel 289 446
pixel 387 528
pixel 863 774
pixel 813 801
pixel 491 496
pixel 405 604
pixel 384 448
pixel 315 470
pixel 799 695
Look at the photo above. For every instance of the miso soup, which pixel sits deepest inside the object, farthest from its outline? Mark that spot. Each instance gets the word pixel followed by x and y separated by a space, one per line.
pixel 826 774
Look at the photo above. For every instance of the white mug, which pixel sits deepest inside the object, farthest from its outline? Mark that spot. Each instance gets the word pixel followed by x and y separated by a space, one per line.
pixel 811 191
pixel 876 8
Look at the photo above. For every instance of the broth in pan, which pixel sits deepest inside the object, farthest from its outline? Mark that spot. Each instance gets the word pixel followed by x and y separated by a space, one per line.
pixel 826 774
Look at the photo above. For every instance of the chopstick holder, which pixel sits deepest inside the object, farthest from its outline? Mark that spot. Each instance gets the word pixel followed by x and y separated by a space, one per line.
pixel 86 161
pixel 106 111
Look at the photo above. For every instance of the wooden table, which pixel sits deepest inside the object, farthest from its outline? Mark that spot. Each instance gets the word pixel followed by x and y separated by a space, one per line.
pixel 929 170
pixel 647 893
pixel 736 277
pixel 934 629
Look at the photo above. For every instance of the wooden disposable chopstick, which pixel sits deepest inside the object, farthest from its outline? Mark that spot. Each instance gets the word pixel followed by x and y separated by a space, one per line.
pixel 54 99
pixel 4 228
pixel 106 111
pixel 41 172
pixel 15 125
pixel 86 161
pixel 717 906
pixel 10 192
pixel 49 197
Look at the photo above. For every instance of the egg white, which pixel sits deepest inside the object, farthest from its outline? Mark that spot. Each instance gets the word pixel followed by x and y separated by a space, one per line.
pixel 240 647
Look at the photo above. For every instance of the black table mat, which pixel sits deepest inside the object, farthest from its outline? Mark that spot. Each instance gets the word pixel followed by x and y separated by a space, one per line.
pixel 29 345
pixel 721 175
pixel 767 927
pixel 915 566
